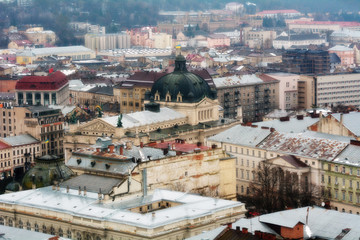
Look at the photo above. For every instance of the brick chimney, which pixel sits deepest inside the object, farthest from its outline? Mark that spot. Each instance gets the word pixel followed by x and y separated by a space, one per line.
pixel 111 148
pixel 121 150
pixel 244 230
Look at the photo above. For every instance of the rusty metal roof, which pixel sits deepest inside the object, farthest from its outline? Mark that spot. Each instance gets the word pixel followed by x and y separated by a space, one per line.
pixel 296 144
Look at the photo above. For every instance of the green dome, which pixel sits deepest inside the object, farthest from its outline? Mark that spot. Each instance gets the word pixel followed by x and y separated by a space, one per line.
pixel 192 87
pixel 48 169
pixel 13 187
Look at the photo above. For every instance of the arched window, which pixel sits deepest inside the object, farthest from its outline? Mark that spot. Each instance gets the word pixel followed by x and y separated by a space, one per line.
pixel 88 237
pixel 44 229
pixel 68 233
pixel 36 227
pixel 28 226
pixel 61 233
pixel 78 236
pixel 11 223
pixel 21 225
pixel 52 230
pixel 1 221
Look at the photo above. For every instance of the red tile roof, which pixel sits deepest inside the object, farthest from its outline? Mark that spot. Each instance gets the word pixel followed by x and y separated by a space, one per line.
pixel 342 24
pixel 4 145
pixel 278 11
pixel 53 81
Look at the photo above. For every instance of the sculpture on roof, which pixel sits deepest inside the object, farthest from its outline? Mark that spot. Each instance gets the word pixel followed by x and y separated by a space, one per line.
pixel 119 123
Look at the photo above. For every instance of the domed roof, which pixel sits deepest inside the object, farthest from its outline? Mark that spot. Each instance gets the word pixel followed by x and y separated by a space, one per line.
pixel 191 87
pixel 48 170
pixel 13 187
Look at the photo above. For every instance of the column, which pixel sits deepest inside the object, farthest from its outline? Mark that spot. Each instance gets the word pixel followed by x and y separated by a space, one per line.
pixel 24 98
pixel 42 99
pixel 33 98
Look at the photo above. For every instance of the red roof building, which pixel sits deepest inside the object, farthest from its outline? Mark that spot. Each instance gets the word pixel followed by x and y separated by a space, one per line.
pixel 43 90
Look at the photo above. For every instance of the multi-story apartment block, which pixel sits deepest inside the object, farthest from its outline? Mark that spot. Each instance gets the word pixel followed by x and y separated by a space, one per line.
pixel 340 179
pixel 17 153
pixel 306 61
pixel 322 26
pixel 93 96
pixel 326 164
pixel 257 95
pixel 43 123
pixel 43 90
pixel 346 54
pixel 329 90
pixel 259 38
pixel 98 42
pixel 288 90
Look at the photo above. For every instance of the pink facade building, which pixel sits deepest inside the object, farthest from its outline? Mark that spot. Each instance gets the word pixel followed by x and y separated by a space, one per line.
pixel 346 55
pixel 218 40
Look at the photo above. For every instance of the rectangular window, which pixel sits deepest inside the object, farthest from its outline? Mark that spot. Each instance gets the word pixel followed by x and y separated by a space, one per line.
pixel 343 170
pixel 336 195
pixel 350 171
pixel 322 178
pixel 343 196
pixel 242 174
pixel 343 182
pixel 350 183
pixel 350 197
pixel 329 179
pixel 247 175
pixel 336 168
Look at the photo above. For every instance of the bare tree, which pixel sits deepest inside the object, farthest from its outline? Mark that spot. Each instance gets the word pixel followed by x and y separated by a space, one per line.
pixel 275 189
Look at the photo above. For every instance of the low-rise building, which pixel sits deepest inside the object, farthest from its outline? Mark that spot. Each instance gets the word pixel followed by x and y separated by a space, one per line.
pixel 218 40
pixel 256 38
pixel 285 13
pixel 37 35
pixel 301 40
pixel 161 214
pixel 322 26
pixel 75 52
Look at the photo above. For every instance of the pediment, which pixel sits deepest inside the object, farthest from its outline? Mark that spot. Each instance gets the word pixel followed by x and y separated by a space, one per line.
pixel 207 102
pixel 97 125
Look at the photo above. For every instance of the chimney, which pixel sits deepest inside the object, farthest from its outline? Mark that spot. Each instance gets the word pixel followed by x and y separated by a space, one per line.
pixel 67 189
pixel 99 195
pixel 33 186
pixel 121 150
pixel 265 127
pixel 299 117
pixel 213 146
pixel 98 149
pixel 53 187
pixel 178 153
pixel 162 140
pixel 198 144
pixel 58 187
pixel 272 129
pixel 85 191
pixel 244 230
pixel 141 145
pixel 153 215
pixel 79 190
pixel 111 148
pixel 254 126
pixel 341 118
pixel 144 182
pixel 284 119
pixel 238 229
pixel 355 142
pixel 320 114
pixel 229 225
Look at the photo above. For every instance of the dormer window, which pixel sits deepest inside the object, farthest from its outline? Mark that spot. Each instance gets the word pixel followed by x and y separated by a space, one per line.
pixel 157 96
pixel 179 97
pixel 168 97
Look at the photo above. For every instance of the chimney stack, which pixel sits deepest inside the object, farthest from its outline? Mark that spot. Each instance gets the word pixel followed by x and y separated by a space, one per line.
pixel 341 118
pixel 141 145
pixel 85 191
pixel 121 150
pixel 67 189
pixel 79 190
pixel 111 148
pixel 144 182
pixel 244 230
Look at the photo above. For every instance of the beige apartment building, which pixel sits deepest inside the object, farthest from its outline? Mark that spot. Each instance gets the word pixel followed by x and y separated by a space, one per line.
pixel 329 90
pixel 259 38
pixel 17 153
pixel 288 90
pixel 43 123
pixel 37 35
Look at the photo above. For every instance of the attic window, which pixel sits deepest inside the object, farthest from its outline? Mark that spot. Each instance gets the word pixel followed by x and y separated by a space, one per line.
pixel 168 97
pixel 179 97
pixel 157 96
